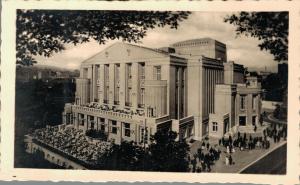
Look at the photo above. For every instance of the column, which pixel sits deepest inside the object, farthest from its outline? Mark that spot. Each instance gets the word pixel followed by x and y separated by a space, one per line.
pixel 94 83
pixel 122 77
pixel 135 84
pixel 102 83
pixel 75 120
pixel 180 100
pixel 106 123
pixel 85 123
pixel 111 83
pixel 90 76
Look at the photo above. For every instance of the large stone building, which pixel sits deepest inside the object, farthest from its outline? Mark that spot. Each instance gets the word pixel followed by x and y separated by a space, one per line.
pixel 130 92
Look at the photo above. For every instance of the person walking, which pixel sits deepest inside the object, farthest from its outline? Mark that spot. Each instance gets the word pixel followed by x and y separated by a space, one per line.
pixel 230 160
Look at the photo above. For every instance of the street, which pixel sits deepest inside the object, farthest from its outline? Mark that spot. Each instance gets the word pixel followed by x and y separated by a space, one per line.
pixel 273 163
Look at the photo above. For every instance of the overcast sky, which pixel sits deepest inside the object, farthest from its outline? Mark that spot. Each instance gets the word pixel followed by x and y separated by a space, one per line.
pixel 243 50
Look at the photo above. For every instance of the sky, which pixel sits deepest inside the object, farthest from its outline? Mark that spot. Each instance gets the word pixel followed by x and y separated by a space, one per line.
pixel 242 50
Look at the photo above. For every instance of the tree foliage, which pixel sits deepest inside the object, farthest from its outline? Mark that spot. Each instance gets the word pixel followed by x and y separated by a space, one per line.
pixel 163 154
pixel 44 32
pixel 271 28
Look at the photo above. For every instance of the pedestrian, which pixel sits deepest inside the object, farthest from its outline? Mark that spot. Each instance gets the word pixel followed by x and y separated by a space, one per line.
pixel 203 146
pixel 194 163
pixel 226 161
pixel 230 160
pixel 223 141
pixel 230 140
pixel 207 145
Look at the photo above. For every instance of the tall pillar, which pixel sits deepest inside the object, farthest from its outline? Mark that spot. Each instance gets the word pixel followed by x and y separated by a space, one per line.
pixel 90 76
pixel 135 84
pixel 111 84
pixel 122 77
pixel 102 83
pixel 93 84
pixel 85 123
pixel 106 123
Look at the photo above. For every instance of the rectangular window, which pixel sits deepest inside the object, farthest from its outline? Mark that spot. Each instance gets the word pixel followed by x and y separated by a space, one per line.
pixel 243 99
pixel 92 123
pixel 114 129
pixel 81 119
pixel 215 126
pixel 102 124
pixel 242 120
pixel 253 120
pixel 127 129
pixel 157 72
pixel 128 71
pixel 106 73
pixel 142 70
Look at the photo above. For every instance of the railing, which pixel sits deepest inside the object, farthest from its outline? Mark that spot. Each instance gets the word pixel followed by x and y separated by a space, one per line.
pixel 104 112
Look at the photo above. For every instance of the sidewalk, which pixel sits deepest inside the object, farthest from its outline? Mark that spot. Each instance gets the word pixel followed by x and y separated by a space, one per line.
pixel 242 159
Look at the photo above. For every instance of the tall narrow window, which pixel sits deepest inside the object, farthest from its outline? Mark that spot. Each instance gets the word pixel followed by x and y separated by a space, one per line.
pixel 127 129
pixel 243 99
pixel 157 72
pixel 215 126
pixel 114 129
pixel 128 71
pixel 102 124
pixel 253 120
pixel 142 71
pixel 81 119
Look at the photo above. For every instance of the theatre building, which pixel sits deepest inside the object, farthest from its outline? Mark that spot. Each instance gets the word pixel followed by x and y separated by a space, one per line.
pixel 130 92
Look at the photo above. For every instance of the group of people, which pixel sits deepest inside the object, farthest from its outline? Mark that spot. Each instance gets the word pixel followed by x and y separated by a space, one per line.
pixel 205 157
pixel 277 132
pixel 72 142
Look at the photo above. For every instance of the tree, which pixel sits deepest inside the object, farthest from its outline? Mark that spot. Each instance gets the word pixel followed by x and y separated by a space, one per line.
pixel 44 32
pixel 271 28
pixel 163 154
pixel 167 154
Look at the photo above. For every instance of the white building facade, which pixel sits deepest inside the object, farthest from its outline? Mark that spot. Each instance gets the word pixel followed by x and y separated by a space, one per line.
pixel 130 92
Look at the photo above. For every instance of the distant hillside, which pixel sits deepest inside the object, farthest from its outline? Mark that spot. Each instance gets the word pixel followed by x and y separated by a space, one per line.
pixel 42 72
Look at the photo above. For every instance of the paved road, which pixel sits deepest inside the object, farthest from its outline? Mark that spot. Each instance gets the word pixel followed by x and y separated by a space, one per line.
pixel 273 163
